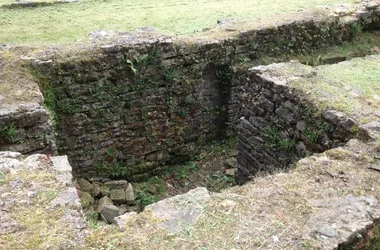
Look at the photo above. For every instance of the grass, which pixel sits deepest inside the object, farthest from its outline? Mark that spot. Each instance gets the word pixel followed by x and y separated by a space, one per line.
pixel 9 132
pixel 73 22
pixel 360 78
pixel 38 227
pixel 350 86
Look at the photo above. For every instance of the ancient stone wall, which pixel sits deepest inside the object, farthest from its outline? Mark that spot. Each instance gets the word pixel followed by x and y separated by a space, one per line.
pixel 128 106
pixel 281 123
pixel 26 129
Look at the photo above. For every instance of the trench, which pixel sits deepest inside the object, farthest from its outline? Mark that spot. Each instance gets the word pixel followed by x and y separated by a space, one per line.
pixel 271 136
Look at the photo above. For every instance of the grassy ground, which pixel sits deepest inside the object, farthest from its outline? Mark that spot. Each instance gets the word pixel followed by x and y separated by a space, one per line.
pixel 67 23
pixel 351 87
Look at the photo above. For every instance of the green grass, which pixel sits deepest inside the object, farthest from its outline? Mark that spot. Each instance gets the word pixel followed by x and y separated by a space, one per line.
pixel 67 23
pixel 351 87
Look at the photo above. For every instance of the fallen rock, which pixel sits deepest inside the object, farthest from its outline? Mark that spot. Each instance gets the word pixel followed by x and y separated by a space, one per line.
pixel 85 186
pixel 68 198
pixel 120 184
pixel 231 162
pixel 129 195
pixel 86 199
pixel 95 189
pixel 109 212
pixel 104 191
pixel 118 196
pixel 62 166
pixel 230 171
pixel 102 202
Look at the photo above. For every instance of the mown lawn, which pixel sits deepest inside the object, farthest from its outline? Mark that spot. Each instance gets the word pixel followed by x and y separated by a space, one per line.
pixel 66 23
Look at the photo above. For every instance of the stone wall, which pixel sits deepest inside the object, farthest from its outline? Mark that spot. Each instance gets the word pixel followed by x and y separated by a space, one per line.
pixel 27 129
pixel 132 109
pixel 127 106
pixel 281 123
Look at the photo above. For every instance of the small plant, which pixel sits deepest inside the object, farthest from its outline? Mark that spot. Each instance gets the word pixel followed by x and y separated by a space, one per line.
pixel 219 181
pixel 270 133
pixel 46 196
pixel 92 221
pixel 354 129
pixel 115 170
pixel 65 107
pixel 184 112
pixel 171 74
pixel 252 45
pixel 169 101
pixel 224 74
pixel 274 141
pixel 356 29
pixel 312 133
pixel 150 191
pixel 207 110
pixel 9 132
pixel 143 199
pixel 153 54
pixel 243 60
pixel 132 67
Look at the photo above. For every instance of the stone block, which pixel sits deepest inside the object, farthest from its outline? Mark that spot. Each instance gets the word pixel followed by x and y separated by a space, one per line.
pixel 119 184
pixel 86 199
pixel 103 202
pixel 118 196
pixel 104 191
pixel 109 212
pixel 84 185
pixel 129 195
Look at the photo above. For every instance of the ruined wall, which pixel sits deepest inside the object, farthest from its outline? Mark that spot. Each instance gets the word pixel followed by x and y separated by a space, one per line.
pixel 280 123
pixel 129 106
pixel 26 129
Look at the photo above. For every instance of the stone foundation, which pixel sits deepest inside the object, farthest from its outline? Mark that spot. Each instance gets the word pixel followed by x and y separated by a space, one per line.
pixel 131 104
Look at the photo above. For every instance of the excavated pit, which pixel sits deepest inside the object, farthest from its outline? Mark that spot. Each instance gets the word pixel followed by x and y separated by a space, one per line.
pixel 128 108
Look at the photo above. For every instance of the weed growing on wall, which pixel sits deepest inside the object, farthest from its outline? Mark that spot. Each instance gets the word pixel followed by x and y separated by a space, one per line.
pixel 113 170
pixel 313 132
pixel 9 132
pixel 273 140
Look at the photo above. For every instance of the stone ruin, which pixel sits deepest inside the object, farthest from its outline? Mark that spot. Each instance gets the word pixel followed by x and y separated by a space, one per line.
pixel 128 105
